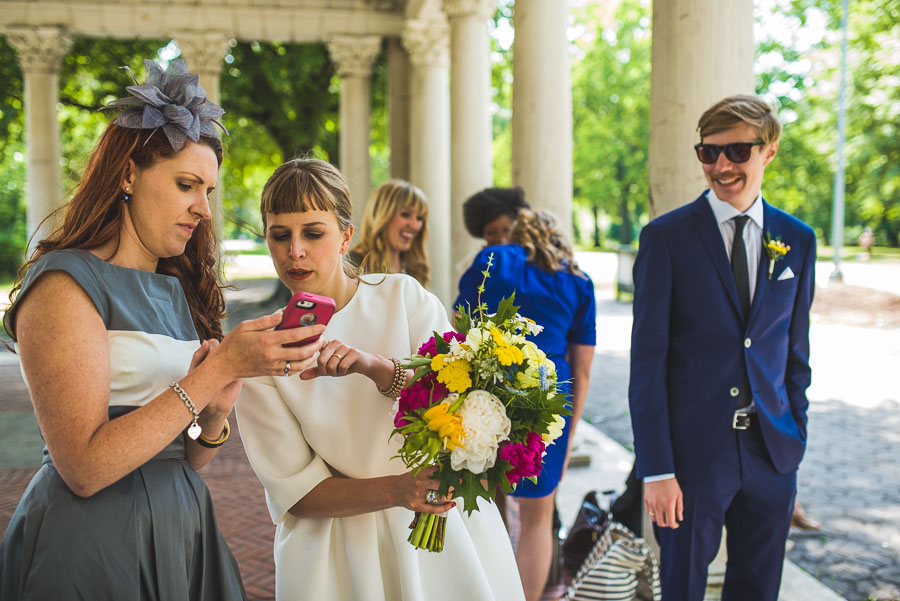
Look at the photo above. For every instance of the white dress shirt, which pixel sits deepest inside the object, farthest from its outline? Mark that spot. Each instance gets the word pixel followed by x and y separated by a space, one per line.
pixel 753 229
pixel 752 234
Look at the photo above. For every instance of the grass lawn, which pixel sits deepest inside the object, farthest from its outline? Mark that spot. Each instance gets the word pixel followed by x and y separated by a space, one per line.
pixel 854 253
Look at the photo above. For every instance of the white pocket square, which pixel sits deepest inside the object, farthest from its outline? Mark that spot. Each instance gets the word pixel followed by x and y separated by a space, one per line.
pixel 786 274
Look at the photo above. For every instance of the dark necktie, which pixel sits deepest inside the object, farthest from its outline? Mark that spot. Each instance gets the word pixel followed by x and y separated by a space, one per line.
pixel 742 281
pixel 739 265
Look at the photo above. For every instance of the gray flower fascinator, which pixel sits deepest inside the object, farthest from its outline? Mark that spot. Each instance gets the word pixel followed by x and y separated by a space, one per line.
pixel 172 100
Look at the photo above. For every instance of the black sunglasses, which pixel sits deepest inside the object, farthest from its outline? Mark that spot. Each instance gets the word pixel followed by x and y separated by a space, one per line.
pixel 738 152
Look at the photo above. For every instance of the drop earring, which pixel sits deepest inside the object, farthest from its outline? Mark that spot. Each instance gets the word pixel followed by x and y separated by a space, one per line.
pixel 126 195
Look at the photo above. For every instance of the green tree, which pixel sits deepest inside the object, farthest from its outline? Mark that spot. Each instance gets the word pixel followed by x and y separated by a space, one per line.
pixel 611 107
pixel 804 81
pixel 501 92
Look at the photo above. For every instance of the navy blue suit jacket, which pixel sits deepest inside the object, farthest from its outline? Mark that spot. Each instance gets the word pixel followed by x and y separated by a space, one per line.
pixel 690 344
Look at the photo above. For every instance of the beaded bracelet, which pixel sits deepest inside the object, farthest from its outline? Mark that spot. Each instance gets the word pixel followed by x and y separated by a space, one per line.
pixel 393 391
pixel 215 444
pixel 194 430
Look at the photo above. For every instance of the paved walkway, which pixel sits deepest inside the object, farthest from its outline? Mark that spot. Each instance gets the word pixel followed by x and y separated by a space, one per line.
pixel 850 479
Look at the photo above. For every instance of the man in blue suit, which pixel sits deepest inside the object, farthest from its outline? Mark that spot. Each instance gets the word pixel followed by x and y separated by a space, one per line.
pixel 720 364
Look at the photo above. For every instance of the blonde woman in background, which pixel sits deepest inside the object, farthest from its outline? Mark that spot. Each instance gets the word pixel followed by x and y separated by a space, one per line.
pixel 394 231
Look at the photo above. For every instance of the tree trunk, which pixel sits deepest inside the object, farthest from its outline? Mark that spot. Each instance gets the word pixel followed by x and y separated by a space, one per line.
pixel 625 235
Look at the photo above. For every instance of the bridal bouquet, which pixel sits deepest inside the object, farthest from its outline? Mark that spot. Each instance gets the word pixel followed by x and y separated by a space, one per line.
pixel 481 406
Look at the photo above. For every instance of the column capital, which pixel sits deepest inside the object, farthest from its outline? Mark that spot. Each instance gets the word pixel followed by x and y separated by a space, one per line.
pixel 354 55
pixel 40 49
pixel 204 51
pixel 426 42
pixel 480 9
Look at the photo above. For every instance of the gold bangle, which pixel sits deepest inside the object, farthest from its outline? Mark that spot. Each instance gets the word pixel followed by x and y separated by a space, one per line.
pixel 393 391
pixel 215 444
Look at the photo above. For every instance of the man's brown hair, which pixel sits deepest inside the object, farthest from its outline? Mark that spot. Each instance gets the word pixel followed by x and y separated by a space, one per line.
pixel 738 110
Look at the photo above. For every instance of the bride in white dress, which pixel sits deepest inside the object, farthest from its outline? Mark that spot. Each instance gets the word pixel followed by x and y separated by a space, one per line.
pixel 320 443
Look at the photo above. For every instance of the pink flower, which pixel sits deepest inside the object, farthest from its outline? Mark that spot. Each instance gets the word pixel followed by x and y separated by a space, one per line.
pixel 429 349
pixel 525 458
pixel 423 393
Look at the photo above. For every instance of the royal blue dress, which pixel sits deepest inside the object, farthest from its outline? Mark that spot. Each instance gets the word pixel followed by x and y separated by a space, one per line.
pixel 562 302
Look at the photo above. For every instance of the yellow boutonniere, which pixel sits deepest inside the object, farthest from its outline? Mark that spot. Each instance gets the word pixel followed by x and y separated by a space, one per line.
pixel 775 249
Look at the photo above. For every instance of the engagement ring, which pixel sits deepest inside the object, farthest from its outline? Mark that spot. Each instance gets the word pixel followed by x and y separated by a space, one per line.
pixel 431 497
pixel 287 368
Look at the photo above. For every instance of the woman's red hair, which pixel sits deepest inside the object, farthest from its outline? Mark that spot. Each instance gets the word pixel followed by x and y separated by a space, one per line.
pixel 95 216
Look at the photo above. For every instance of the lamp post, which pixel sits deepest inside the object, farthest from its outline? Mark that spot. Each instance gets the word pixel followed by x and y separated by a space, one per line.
pixel 837 227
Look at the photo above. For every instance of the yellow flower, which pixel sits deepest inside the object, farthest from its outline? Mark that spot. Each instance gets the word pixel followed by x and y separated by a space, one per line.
pixel 437 362
pixel 555 430
pixel 777 248
pixel 533 353
pixel 453 372
pixel 447 425
pixel 507 353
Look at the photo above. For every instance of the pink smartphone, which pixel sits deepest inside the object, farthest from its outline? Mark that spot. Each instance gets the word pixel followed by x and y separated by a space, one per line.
pixel 305 309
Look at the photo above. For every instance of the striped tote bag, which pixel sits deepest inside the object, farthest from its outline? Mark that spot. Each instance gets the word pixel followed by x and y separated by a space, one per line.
pixel 620 567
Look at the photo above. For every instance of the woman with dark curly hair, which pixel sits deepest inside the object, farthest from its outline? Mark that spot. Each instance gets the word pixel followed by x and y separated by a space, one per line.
pixel 491 213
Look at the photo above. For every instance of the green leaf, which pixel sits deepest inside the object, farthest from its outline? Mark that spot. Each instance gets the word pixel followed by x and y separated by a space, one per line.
pixel 440 344
pixel 506 309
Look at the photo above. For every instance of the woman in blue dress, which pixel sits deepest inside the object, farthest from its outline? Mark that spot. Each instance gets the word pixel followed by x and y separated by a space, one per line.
pixel 550 289
pixel 117 325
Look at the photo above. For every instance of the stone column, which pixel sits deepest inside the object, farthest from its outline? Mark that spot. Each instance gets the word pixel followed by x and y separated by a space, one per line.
pixel 426 42
pixel 40 51
pixel 204 52
pixel 702 52
pixel 354 56
pixel 682 86
pixel 542 107
pixel 398 107
pixel 471 166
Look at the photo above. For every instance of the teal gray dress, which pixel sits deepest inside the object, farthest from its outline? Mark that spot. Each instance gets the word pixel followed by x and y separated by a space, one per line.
pixel 152 535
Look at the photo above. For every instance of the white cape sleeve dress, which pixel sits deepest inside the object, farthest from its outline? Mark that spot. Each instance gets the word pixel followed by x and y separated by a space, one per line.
pixel 297 433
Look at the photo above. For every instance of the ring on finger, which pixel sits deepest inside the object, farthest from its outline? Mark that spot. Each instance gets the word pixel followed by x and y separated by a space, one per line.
pixel 651 514
pixel 287 368
pixel 338 355
pixel 431 497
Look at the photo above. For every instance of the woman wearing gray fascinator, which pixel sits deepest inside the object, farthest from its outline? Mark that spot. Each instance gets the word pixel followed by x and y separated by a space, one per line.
pixel 116 318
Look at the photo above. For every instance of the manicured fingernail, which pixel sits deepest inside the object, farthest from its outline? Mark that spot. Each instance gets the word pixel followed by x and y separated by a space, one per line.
pixel 453 504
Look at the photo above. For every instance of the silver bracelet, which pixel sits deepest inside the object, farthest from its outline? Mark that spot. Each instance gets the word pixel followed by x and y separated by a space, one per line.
pixel 393 391
pixel 194 430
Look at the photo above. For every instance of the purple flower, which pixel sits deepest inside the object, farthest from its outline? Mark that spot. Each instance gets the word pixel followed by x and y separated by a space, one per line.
pixel 422 394
pixel 429 348
pixel 526 458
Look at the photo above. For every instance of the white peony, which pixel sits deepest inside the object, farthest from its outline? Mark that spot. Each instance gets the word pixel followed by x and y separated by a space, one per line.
pixel 485 426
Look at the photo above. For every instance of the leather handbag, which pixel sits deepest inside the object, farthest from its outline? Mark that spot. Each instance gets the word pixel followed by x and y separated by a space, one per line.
pixel 590 523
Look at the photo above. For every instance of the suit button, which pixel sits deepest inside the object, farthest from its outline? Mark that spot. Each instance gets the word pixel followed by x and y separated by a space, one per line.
pixel 734 391
pixel 747 343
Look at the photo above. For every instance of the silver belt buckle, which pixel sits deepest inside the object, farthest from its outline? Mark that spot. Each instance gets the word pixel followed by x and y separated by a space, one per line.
pixel 741 420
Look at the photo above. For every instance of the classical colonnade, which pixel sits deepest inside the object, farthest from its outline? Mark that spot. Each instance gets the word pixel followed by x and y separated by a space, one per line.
pixel 438 56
